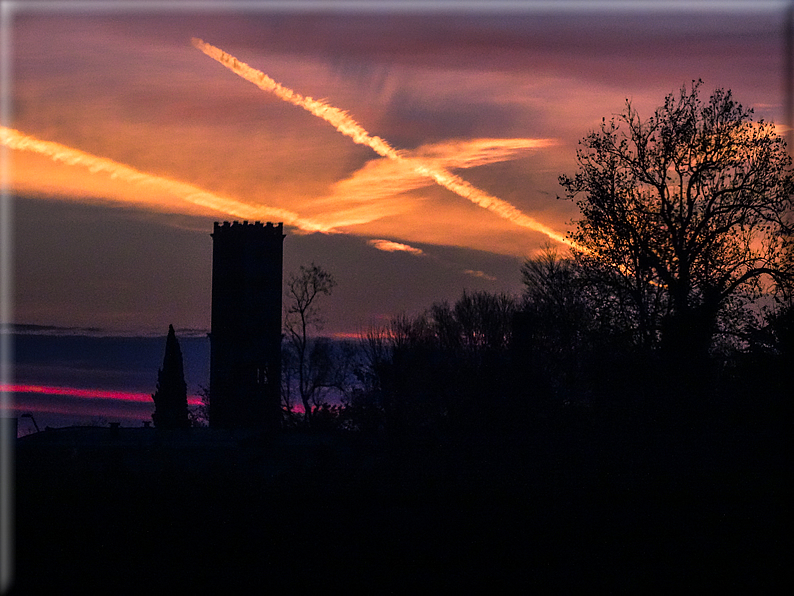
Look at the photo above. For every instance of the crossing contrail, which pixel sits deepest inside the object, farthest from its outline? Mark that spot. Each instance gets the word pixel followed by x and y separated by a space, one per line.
pixel 345 124
pixel 14 139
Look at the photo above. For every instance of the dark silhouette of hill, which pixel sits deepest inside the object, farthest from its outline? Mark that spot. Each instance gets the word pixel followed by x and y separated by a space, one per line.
pixel 117 510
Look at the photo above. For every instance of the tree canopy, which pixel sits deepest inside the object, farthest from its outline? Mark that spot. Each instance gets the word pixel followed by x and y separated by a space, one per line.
pixel 687 213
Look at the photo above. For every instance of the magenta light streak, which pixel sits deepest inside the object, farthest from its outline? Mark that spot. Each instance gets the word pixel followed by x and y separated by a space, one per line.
pixel 192 400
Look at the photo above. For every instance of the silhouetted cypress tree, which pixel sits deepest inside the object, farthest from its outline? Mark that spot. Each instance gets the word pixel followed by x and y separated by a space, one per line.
pixel 170 399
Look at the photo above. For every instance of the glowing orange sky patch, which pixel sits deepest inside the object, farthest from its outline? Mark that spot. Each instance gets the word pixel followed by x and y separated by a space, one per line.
pixel 342 121
pixel 189 193
pixel 376 190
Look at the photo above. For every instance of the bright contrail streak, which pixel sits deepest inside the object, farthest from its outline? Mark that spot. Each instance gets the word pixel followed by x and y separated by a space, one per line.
pixel 342 121
pixel 192 194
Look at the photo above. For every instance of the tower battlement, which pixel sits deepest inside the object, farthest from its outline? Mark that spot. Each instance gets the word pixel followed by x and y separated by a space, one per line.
pixel 244 227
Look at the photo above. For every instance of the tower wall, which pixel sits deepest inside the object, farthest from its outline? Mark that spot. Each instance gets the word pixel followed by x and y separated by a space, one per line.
pixel 245 338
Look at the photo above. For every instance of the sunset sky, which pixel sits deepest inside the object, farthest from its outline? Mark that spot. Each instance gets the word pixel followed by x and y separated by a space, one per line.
pixel 145 140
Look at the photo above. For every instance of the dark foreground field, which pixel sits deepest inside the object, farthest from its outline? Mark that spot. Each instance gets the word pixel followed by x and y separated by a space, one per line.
pixel 204 512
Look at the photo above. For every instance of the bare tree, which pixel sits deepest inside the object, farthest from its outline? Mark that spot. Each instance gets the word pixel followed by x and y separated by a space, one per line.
pixel 308 365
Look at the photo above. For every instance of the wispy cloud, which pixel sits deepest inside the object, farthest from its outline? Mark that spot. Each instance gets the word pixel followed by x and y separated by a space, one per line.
pixel 389 246
pixel 480 274
pixel 210 202
pixel 372 191
pixel 377 190
pixel 346 125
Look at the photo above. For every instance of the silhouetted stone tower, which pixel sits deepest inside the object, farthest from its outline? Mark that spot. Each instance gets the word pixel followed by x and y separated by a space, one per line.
pixel 245 339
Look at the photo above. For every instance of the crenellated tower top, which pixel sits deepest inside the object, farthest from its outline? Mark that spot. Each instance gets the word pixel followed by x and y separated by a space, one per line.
pixel 243 227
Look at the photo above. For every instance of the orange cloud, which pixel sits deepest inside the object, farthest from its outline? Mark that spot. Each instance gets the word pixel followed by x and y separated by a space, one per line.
pixel 162 190
pixel 345 124
pixel 375 200
pixel 371 192
pixel 389 246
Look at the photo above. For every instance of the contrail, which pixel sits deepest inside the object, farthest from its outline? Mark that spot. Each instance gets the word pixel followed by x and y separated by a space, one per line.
pixel 192 194
pixel 342 121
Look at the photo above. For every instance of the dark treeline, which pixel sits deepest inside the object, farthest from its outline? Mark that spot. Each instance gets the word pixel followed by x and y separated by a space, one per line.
pixel 567 352
pixel 445 370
